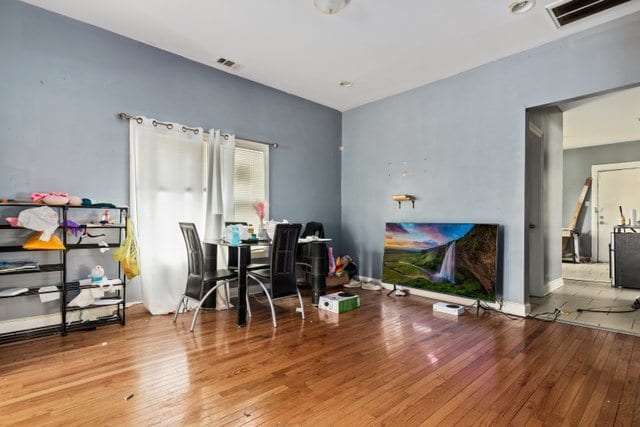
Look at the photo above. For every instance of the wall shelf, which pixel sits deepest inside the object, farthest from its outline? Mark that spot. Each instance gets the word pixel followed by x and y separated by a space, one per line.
pixel 404 198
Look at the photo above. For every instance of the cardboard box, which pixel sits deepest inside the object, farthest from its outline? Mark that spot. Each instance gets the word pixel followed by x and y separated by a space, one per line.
pixel 336 303
pixel 337 281
pixel 332 281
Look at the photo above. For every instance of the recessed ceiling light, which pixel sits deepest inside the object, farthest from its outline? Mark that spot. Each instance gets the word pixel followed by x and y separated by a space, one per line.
pixel 345 83
pixel 518 7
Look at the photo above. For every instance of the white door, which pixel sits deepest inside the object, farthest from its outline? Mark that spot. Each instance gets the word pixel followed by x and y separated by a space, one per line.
pixel 615 185
pixel 534 234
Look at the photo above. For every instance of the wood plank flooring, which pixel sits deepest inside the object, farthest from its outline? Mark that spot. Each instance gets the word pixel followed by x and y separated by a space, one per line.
pixel 391 362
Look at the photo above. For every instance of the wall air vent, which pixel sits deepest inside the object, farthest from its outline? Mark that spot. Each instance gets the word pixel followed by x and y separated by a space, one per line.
pixel 567 11
pixel 227 63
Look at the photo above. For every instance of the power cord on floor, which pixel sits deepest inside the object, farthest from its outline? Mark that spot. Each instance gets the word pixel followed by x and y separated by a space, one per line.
pixel 555 313
pixel 635 306
pixel 481 305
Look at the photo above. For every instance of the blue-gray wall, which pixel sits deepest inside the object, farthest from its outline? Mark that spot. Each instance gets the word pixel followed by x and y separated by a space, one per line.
pixel 62 81
pixel 577 167
pixel 471 129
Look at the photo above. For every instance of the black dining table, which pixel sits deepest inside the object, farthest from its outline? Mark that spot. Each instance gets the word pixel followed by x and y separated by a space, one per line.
pixel 318 273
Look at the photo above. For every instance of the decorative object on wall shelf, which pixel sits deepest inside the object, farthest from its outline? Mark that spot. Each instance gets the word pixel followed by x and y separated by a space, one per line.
pixel 404 198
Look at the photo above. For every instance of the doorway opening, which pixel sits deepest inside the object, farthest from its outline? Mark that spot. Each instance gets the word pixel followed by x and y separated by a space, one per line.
pixel 582 198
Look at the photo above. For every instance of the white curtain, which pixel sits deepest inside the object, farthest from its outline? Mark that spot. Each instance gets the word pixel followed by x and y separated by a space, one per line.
pixel 168 174
pixel 220 199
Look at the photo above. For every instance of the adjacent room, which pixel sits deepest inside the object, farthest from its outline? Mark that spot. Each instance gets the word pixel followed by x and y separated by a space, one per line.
pixel 597 282
pixel 319 212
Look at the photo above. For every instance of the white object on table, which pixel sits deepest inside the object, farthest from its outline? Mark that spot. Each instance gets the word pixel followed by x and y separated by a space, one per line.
pixel 310 239
pixel 633 218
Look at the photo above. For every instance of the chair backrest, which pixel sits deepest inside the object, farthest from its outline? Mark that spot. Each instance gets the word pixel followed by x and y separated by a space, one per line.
pixel 313 229
pixel 283 259
pixel 195 257
pixel 232 262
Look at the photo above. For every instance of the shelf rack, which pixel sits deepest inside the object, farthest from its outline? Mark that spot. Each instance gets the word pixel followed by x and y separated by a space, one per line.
pixel 64 286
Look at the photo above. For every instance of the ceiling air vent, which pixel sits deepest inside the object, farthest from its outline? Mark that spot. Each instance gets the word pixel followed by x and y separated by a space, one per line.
pixel 567 11
pixel 227 63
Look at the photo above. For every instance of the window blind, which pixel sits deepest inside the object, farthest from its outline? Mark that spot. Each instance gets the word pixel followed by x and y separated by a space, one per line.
pixel 249 183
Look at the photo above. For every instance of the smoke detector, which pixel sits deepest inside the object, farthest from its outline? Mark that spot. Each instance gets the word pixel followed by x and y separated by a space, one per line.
pixel 522 6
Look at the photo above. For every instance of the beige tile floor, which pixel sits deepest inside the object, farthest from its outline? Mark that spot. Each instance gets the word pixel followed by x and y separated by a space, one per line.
pixel 576 294
pixel 596 272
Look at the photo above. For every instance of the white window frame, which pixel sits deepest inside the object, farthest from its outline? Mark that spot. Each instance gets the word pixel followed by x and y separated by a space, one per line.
pixel 256 146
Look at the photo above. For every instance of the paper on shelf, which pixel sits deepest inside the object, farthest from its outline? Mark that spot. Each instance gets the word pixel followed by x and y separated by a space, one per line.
pixel 107 301
pixel 51 294
pixel 11 292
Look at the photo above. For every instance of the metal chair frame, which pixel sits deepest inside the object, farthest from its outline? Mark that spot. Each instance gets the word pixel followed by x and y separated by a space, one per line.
pixel 198 279
pixel 276 266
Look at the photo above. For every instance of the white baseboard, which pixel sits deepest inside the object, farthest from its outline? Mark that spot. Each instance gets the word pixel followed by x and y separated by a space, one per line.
pixel 509 307
pixel 23 323
pixel 547 288
pixel 555 284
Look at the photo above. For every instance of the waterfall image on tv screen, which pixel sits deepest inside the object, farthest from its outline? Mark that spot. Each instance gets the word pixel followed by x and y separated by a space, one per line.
pixel 456 259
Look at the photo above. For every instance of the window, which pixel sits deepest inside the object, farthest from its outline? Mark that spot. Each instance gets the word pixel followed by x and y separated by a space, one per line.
pixel 251 179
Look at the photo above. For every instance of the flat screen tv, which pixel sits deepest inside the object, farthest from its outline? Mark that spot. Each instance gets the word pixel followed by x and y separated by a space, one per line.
pixel 455 259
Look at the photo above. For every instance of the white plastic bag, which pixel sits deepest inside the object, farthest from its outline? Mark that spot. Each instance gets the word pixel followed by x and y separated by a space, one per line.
pixel 271 227
pixel 42 219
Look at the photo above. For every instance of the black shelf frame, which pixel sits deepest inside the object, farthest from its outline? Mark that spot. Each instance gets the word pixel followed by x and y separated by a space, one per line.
pixel 117 290
pixel 44 268
pixel 120 292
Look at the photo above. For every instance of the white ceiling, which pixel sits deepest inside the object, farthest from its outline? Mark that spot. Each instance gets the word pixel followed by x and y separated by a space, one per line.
pixel 384 47
pixel 604 119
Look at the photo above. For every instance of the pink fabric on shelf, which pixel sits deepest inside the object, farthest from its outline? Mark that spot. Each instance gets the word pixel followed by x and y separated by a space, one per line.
pixel 50 198
pixel 12 221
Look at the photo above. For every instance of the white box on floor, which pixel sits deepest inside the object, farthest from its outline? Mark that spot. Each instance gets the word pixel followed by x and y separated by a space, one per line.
pixel 339 302
pixel 448 308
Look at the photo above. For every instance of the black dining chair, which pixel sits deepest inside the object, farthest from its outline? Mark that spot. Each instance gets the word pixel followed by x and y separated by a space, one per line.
pixel 280 280
pixel 312 228
pixel 198 280
pixel 232 262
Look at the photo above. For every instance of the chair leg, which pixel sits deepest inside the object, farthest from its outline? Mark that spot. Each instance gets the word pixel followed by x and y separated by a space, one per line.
pixel 266 292
pixel 175 316
pixel 301 308
pixel 204 298
pixel 226 292
pixel 248 305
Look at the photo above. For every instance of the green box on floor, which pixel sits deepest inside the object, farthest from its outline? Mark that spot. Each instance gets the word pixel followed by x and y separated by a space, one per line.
pixel 339 302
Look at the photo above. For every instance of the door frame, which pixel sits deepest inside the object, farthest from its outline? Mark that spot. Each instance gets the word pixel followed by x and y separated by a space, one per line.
pixel 595 169
pixel 530 163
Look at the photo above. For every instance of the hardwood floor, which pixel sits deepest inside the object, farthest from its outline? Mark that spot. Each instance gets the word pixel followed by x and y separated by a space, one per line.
pixel 392 362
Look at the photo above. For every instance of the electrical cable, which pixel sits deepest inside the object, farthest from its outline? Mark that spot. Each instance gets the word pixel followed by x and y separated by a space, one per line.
pixel 556 313
pixel 479 305
pixel 594 310
pixel 635 306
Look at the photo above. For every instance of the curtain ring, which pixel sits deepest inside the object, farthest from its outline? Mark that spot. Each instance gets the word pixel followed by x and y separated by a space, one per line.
pixel 169 126
pixel 194 130
pixel 139 120
pixel 155 124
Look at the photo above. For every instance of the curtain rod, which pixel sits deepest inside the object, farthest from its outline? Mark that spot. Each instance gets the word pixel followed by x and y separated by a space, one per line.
pixel 139 120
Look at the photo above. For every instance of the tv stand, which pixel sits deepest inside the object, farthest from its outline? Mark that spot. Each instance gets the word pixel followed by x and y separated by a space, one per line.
pixel 397 292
